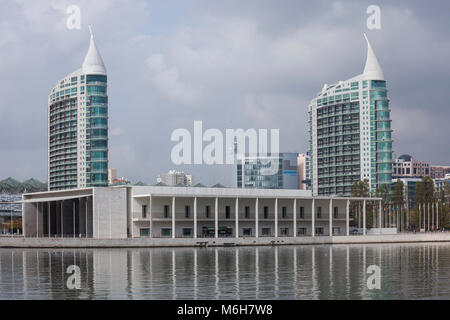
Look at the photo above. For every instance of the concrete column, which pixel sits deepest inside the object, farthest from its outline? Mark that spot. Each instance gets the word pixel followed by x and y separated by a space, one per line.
pixel 379 215
pixel 73 210
pixel 437 215
pixel 86 214
pixel 295 218
pixel 256 219
pixel 216 217
pixel 424 220
pixel 62 219
pixel 276 217
pixel 428 220
pixel 432 216
pixel 364 217
pixel 150 218
pixel 195 218
pixel 313 217
pixel 236 217
pixel 173 218
pixel 48 219
pixel 37 220
pixel 420 217
pixel 347 218
pixel 330 225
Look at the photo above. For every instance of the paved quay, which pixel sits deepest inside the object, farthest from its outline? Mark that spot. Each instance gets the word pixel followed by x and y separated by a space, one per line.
pixel 20 242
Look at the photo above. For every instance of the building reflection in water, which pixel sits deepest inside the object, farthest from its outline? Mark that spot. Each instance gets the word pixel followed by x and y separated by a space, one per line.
pixel 290 272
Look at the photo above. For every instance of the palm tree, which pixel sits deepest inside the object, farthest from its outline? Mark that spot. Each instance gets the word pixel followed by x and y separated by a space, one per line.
pixel 359 189
pixel 383 193
pixel 398 200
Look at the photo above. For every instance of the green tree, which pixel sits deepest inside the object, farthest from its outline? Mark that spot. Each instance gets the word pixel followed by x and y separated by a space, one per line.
pixel 360 189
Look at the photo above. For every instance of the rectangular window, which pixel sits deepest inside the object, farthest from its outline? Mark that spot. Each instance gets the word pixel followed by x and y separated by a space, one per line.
pixel 284 212
pixel 207 211
pixel 302 212
pixel 336 212
pixel 187 232
pixel 319 231
pixel 247 212
pixel 144 211
pixel 166 232
pixel 247 232
pixel 319 212
pixel 227 212
pixel 301 231
pixel 166 211
pixel 144 232
pixel 266 212
pixel 187 210
pixel 266 232
pixel 284 231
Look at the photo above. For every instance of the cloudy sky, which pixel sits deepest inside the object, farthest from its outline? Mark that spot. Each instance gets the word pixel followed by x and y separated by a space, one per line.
pixel 232 64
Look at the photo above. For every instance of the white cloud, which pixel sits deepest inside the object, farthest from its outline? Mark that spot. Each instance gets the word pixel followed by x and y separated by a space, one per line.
pixel 167 80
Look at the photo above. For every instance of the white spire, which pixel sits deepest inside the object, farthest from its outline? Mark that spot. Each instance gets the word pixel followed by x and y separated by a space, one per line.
pixel 372 70
pixel 93 63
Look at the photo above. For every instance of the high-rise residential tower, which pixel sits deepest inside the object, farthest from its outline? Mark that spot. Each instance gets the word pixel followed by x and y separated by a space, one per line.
pixel 78 126
pixel 350 132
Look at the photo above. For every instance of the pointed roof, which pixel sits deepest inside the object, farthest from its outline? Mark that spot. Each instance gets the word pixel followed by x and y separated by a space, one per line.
pixel 372 70
pixel 93 63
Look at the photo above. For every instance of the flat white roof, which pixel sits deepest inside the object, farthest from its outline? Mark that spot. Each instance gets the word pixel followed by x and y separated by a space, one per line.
pixel 50 199
pixel 146 191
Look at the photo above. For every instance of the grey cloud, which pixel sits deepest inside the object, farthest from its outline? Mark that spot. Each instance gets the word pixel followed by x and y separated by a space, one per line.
pixel 232 64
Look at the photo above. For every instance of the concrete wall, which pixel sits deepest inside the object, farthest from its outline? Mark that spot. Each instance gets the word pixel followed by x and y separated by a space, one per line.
pixel 10 242
pixel 110 213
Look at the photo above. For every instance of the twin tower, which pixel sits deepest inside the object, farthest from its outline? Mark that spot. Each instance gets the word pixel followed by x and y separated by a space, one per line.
pixel 349 128
pixel 78 126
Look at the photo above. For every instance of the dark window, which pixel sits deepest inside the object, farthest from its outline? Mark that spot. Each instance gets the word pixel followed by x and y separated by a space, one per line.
pixel 284 212
pixel 266 212
pixel 144 211
pixel 187 211
pixel 166 211
pixel 319 212
pixel 166 232
pixel 284 231
pixel 247 232
pixel 247 212
pixel 227 212
pixel 187 232
pixel 336 212
pixel 207 211
pixel 302 212
pixel 266 231
pixel 145 232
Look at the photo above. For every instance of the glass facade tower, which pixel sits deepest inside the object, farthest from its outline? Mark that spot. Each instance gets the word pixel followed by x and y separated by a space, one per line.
pixel 350 133
pixel 271 171
pixel 78 127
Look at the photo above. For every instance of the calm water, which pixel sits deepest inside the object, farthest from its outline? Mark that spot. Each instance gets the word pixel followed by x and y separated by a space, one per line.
pixel 408 271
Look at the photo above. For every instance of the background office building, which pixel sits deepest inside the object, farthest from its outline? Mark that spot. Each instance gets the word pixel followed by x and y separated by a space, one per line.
pixel 173 178
pixel 78 127
pixel 272 171
pixel 407 166
pixel 350 132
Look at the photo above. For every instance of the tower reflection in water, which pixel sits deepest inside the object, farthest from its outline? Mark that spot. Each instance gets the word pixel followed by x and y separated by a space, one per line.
pixel 291 272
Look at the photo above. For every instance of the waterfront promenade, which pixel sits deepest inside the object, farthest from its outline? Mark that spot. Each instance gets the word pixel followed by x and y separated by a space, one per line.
pixel 20 242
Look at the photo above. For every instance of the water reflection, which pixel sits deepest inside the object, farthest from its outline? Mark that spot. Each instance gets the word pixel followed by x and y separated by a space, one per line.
pixel 291 272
